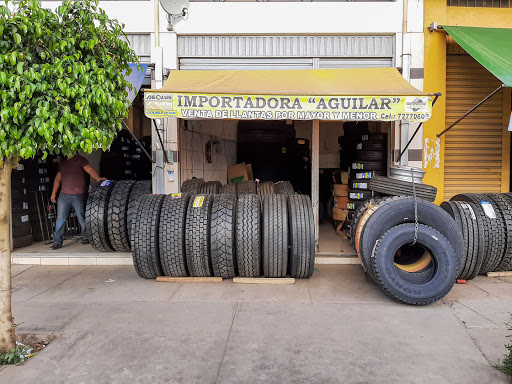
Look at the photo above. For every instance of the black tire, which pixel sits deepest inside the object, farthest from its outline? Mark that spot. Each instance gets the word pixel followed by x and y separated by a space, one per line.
pixel 223 236
pixel 494 232
pixel 359 195
pixel 368 166
pixel 385 273
pixel 363 156
pixel 302 236
pixel 284 188
pixel 22 241
pixel 229 189
pixel 171 235
pixel 505 211
pixel 374 137
pixel 399 211
pixel 473 251
pixel 390 186
pixel 365 175
pixel 352 205
pixel 470 210
pixel 140 189
pixel 197 235
pixel 210 188
pixel 21 229
pixel 248 235
pixel 359 185
pixel 117 215
pixel 265 188
pixel 373 145
pixel 246 187
pixel 192 186
pixel 96 217
pixel 145 237
pixel 275 235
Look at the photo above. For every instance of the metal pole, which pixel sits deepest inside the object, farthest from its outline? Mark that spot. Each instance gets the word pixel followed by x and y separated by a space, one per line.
pixel 416 131
pixel 315 172
pixel 472 109
pixel 161 142
pixel 138 142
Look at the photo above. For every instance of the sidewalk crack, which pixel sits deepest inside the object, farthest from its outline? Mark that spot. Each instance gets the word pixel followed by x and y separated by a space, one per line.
pixel 63 281
pixel 235 313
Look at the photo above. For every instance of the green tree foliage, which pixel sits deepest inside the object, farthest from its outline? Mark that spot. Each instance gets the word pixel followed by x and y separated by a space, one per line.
pixel 62 86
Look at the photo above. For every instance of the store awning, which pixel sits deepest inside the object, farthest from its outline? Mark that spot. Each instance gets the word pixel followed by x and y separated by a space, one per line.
pixel 491 47
pixel 357 94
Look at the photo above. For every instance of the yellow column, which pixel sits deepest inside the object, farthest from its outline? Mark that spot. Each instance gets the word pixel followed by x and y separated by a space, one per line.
pixel 435 81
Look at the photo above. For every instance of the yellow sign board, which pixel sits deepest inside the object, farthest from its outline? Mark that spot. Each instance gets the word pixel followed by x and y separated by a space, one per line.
pixel 281 107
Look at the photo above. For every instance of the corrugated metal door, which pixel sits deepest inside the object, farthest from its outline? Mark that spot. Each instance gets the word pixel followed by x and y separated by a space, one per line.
pixel 476 149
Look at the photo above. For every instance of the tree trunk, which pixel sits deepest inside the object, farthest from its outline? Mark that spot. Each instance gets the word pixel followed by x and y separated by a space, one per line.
pixel 7 337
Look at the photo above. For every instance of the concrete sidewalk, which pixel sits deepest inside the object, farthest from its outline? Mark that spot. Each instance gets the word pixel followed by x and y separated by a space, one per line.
pixel 336 327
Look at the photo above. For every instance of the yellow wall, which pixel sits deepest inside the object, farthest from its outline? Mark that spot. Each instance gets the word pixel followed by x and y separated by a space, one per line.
pixel 435 71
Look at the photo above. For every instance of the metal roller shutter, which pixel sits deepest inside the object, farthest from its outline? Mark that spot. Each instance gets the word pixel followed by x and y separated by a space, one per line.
pixel 474 158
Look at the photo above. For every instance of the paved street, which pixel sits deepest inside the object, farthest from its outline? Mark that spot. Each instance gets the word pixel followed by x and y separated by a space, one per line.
pixel 113 327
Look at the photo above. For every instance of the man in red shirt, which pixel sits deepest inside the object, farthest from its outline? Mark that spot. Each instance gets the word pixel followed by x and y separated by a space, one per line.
pixel 72 179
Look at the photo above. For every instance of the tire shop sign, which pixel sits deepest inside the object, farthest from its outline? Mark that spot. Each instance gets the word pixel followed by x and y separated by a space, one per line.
pixel 281 107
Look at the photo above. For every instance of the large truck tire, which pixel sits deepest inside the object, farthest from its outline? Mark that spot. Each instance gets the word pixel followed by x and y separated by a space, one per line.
pixel 505 211
pixel 390 186
pixel 228 189
pixel 192 185
pixel 248 235
pixel 210 188
pixel 140 189
pixel 223 236
pixel 441 278
pixel 117 219
pixel 96 212
pixel 265 188
pixel 275 235
pixel 284 188
pixel 302 236
pixel 246 187
pixel 197 235
pixel 494 231
pixel 171 235
pixel 145 234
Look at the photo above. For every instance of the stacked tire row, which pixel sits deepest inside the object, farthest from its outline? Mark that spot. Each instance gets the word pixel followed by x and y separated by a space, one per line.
pixel 199 186
pixel 370 160
pixel 485 221
pixel 111 208
pixel 414 265
pixel 20 214
pixel 223 235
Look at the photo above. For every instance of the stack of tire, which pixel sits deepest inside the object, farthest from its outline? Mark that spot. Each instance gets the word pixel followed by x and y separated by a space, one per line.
pixel 199 186
pixel 20 216
pixel 414 262
pixel 393 187
pixel 485 221
pixel 370 160
pixel 111 208
pixel 223 235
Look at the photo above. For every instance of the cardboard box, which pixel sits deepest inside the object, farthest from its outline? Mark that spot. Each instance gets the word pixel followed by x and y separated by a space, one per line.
pixel 340 190
pixel 239 172
pixel 340 177
pixel 339 214
pixel 340 202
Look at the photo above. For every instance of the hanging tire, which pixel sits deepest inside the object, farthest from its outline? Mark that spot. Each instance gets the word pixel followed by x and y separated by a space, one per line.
pixel 275 235
pixel 145 237
pixel 284 188
pixel 395 212
pixel 302 236
pixel 192 186
pixel 96 216
pixel 246 187
pixel 265 188
pixel 473 245
pixel 248 235
pixel 140 189
pixel 223 236
pixel 197 236
pixel 117 215
pixel 494 232
pixel 365 155
pixel 210 188
pixel 394 187
pixel 171 235
pixel 439 280
pixel 505 211
pixel 228 189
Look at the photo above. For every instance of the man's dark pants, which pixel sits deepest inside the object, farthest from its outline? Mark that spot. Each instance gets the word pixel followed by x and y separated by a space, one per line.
pixel 64 204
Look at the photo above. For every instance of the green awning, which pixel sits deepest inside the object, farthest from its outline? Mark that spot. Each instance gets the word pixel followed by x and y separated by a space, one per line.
pixel 491 47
